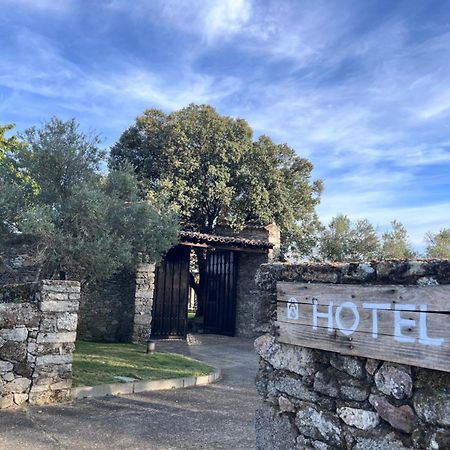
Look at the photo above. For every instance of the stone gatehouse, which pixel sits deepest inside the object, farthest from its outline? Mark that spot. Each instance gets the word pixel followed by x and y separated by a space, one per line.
pixel 123 308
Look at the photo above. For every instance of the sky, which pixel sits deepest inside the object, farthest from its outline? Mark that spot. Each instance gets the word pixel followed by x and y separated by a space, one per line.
pixel 361 88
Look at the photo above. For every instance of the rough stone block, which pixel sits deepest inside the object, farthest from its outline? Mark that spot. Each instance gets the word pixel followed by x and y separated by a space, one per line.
pixel 300 360
pixel 319 425
pixel 13 351
pixel 67 322
pixel 433 407
pixel 359 418
pixel 5 366
pixel 45 397
pixel 326 384
pixel 372 365
pixel 294 387
pixel 56 337
pixel 56 296
pixel 19 385
pixel 18 334
pixel 59 306
pixel 49 360
pixel 8 376
pixel 402 418
pixel 392 379
pixel 24 369
pixel 58 348
pixel 23 314
pixel 6 400
pixel 20 399
pixel 380 442
pixel 285 405
pixel 351 365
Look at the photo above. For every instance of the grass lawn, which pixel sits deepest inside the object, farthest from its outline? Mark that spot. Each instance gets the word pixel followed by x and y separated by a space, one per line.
pixel 98 363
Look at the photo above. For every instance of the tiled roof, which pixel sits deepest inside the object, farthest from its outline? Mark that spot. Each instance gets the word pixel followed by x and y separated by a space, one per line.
pixel 193 236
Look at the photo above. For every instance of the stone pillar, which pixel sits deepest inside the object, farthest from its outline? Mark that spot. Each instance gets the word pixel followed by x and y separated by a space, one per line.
pixel 52 347
pixel 37 334
pixel 253 312
pixel 251 316
pixel 143 302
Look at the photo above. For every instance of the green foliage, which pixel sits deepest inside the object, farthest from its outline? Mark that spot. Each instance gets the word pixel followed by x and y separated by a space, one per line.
pixel 207 168
pixel 81 222
pixel 438 244
pixel 343 241
pixel 98 363
pixel 395 243
pixel 17 188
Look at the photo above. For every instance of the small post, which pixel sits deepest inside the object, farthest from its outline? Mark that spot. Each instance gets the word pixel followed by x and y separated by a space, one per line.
pixel 151 347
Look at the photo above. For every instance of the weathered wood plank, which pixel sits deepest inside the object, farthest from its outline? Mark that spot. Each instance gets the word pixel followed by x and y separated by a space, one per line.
pixel 385 320
pixel 362 344
pixel 436 297
pixel 405 324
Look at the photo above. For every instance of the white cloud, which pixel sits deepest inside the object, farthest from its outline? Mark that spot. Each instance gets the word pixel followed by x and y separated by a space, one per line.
pixel 225 17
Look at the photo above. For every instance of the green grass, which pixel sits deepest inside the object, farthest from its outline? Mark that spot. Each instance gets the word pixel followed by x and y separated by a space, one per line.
pixel 98 363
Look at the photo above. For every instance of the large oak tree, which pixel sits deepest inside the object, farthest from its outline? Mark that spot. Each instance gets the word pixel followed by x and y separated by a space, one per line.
pixel 208 168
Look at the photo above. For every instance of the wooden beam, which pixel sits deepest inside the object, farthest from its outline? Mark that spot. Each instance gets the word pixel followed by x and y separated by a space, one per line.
pixel 225 247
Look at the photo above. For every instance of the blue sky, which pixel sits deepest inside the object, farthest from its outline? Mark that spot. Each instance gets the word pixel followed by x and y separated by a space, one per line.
pixel 361 88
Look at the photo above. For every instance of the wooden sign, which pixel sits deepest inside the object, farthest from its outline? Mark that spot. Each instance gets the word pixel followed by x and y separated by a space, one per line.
pixel 404 324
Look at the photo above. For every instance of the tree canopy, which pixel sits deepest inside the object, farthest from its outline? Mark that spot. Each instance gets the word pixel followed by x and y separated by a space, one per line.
pixel 80 221
pixel 396 244
pixel 208 169
pixel 344 241
pixel 438 244
pixel 17 187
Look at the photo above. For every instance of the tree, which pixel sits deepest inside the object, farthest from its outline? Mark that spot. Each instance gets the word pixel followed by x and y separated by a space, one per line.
pixel 395 243
pixel 343 241
pixel 366 243
pixel 438 244
pixel 16 187
pixel 208 169
pixel 81 222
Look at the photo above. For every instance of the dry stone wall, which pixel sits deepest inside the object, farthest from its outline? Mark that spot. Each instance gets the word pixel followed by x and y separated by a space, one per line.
pixel 312 399
pixel 38 324
pixel 107 309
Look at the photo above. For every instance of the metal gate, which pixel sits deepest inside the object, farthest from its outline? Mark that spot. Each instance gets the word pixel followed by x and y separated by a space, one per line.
pixel 169 318
pixel 220 298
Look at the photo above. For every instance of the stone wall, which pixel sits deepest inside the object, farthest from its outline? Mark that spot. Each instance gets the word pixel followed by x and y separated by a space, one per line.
pixel 312 399
pixel 37 333
pixel 17 266
pixel 107 310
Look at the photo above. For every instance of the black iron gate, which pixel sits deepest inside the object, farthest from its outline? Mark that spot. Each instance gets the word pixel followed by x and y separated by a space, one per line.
pixel 220 298
pixel 169 318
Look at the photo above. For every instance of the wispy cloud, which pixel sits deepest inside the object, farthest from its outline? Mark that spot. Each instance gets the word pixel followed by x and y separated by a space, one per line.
pixel 361 88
